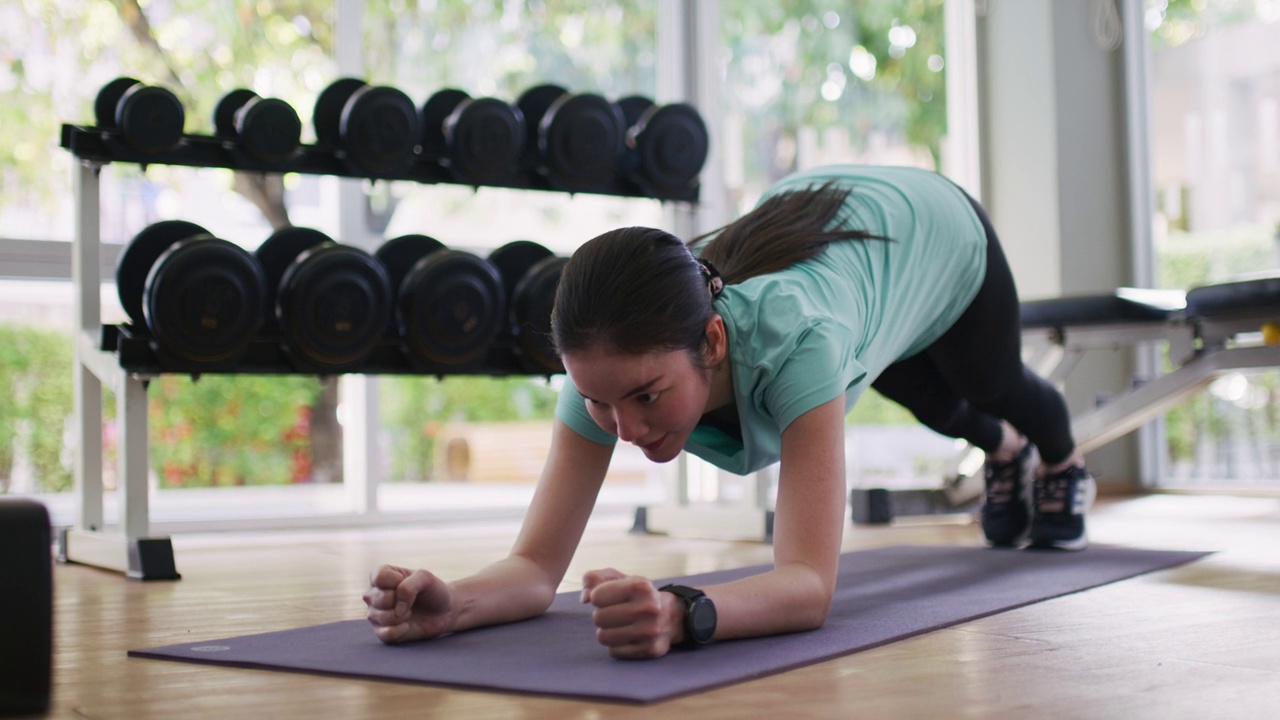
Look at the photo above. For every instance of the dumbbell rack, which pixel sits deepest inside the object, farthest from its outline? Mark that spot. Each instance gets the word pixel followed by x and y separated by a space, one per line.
pixel 124 362
pixel 91 144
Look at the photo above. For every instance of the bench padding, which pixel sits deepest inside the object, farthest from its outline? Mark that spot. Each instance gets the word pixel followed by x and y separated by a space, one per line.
pixel 1243 297
pixel 1115 308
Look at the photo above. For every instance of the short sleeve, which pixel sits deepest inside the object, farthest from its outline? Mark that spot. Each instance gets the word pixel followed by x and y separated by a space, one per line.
pixel 571 409
pixel 820 368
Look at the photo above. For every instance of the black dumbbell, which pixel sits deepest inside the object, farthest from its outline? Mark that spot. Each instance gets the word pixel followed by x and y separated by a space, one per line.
pixel 480 140
pixel 148 117
pixel 26 608
pixel 449 303
pixel 667 146
pixel 375 128
pixel 331 302
pixel 533 104
pixel 200 297
pixel 578 138
pixel 266 129
pixel 530 275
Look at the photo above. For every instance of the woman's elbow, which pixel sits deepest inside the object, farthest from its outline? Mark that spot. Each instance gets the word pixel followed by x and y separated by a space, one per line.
pixel 814 608
pixel 542 599
pixel 815 617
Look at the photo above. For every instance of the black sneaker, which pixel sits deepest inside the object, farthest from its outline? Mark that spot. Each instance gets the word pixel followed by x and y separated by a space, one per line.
pixel 1006 514
pixel 1061 500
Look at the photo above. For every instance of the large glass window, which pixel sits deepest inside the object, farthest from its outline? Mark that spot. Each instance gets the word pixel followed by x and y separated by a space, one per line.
pixel 805 83
pixel 492 433
pixel 1215 83
pixel 819 82
pixel 223 430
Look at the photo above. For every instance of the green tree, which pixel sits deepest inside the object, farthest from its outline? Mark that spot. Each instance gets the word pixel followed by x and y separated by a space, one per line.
pixel 863 66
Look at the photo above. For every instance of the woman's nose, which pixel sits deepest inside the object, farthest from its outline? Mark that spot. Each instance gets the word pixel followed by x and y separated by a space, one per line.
pixel 629 425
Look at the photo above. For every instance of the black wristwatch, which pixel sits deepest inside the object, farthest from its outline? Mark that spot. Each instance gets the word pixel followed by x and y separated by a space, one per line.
pixel 699 615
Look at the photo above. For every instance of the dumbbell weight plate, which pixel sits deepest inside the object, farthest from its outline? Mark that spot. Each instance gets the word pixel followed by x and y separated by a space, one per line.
pixel 379 129
pixel 137 258
pixel 269 130
pixel 450 307
pixel 534 299
pixel 514 259
pixel 399 254
pixel 533 104
pixel 204 300
pixel 633 107
pixel 150 118
pixel 434 112
pixel 581 137
pixel 275 255
pixel 485 139
pixel 326 117
pixel 224 113
pixel 108 99
pixel 334 305
pixel 671 142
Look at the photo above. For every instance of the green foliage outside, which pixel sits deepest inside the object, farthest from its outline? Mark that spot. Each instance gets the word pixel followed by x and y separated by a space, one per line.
pixel 199 50
pixel 499 48
pixel 1189 260
pixel 866 67
pixel 221 430
pixel 35 405
pixel 231 430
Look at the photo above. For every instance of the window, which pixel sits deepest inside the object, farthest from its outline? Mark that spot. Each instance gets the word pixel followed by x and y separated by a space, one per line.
pixel 1215 83
pixel 821 82
pixel 60 55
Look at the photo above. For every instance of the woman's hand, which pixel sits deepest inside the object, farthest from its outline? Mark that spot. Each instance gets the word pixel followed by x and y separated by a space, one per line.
pixel 632 618
pixel 406 605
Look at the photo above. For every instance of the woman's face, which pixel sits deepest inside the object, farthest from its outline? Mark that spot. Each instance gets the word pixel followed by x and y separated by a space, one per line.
pixel 653 401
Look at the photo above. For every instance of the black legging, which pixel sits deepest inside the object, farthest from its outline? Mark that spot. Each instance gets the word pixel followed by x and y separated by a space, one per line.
pixel 972 377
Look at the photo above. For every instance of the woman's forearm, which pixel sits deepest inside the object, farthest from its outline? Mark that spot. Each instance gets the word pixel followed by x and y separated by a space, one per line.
pixel 789 598
pixel 514 588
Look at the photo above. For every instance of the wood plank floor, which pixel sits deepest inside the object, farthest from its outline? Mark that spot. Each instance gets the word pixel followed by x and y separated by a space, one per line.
pixel 1199 641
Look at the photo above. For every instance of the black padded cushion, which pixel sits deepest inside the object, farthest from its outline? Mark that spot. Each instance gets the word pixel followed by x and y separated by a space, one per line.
pixel 26 607
pixel 1112 309
pixel 1241 297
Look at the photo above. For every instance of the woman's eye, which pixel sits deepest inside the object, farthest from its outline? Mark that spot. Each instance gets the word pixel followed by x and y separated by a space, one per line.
pixel 647 398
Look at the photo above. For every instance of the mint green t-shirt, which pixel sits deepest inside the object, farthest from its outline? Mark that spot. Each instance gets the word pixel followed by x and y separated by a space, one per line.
pixel 830 325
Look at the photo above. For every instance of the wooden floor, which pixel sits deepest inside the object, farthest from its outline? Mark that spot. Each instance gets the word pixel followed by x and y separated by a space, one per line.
pixel 1198 641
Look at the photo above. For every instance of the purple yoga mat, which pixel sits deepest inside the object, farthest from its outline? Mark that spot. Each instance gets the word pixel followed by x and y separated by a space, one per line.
pixel 882 596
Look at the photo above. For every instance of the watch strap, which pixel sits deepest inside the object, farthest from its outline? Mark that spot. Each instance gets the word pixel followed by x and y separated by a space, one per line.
pixel 688 596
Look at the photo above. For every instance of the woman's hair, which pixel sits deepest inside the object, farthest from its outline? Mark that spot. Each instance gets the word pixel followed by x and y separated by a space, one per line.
pixel 637 289
pixel 783 230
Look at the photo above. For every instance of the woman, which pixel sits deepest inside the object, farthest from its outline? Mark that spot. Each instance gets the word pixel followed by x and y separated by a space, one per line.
pixel 751 352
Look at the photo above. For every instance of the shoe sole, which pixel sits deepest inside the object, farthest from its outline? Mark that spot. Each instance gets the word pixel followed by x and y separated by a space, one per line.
pixel 1077 544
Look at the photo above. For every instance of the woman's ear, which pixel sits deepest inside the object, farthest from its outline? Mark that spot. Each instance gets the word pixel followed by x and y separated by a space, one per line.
pixel 715 348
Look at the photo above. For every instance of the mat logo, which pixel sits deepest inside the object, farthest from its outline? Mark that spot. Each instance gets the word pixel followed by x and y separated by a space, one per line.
pixel 210 648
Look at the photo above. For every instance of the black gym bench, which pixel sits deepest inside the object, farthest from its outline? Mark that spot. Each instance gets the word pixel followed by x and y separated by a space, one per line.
pixel 1208 331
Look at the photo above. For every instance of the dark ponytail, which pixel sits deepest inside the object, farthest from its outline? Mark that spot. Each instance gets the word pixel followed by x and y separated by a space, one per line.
pixel 636 290
pixel 783 230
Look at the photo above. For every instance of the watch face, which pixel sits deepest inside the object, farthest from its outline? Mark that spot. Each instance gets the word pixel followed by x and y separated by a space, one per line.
pixel 702 620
